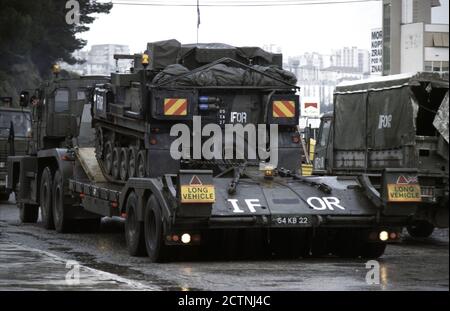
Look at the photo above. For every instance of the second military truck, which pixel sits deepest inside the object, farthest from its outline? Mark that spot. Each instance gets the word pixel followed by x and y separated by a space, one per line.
pixel 392 123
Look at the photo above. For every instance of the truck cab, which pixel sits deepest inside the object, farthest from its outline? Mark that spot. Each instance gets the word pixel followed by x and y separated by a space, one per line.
pixel 15 131
pixel 60 119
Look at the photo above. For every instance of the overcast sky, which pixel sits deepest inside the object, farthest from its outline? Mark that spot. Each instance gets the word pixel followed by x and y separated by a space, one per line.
pixel 296 29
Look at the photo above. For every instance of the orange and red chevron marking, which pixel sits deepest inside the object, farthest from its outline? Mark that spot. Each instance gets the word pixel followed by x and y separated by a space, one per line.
pixel 284 109
pixel 175 106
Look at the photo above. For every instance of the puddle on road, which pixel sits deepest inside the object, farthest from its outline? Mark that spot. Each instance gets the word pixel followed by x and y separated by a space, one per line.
pixel 24 268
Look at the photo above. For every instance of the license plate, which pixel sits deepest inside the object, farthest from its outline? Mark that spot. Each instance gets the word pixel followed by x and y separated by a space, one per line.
pixel 290 221
pixel 404 193
pixel 198 194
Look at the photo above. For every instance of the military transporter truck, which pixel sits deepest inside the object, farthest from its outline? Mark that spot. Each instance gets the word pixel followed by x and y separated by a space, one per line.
pixel 15 130
pixel 388 124
pixel 244 205
pixel 60 118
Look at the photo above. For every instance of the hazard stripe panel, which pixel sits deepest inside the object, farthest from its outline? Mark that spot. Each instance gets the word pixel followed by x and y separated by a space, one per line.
pixel 284 109
pixel 175 106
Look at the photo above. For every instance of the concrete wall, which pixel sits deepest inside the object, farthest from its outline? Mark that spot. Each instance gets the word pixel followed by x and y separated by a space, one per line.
pixel 412 48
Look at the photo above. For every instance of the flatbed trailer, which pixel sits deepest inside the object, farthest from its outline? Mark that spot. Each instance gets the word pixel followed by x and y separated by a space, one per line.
pixel 283 214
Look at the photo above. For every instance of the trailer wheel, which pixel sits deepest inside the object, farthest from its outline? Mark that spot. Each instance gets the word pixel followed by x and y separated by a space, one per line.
pixel 28 213
pixel 116 163
pixel 60 218
pixel 108 157
pixel 140 169
pixel 46 199
pixel 373 250
pixel 124 164
pixel 132 159
pixel 420 229
pixel 153 227
pixel 134 229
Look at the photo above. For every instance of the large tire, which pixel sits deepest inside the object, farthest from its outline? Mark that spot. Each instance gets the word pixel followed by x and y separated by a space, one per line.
pixel 134 229
pixel 124 158
pixel 157 251
pixel 420 229
pixel 28 213
pixel 46 199
pixel 60 219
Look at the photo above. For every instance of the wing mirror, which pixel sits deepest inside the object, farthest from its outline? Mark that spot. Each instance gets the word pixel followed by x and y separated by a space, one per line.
pixel 24 99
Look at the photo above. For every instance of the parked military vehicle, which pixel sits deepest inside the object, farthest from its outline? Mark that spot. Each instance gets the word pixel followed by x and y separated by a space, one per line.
pixel 15 130
pixel 246 205
pixel 392 123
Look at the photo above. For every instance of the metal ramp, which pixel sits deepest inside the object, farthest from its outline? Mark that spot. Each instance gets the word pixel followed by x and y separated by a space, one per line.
pixel 89 162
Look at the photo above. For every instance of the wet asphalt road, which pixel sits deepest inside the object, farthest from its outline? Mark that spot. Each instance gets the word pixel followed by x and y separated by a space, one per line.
pixel 32 258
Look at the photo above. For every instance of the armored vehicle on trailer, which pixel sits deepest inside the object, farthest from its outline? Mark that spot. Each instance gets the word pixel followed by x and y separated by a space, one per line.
pixel 15 131
pixel 198 148
pixel 393 122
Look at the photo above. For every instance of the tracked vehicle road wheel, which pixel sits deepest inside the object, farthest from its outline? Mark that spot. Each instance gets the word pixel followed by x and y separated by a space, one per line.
pixel 116 163
pixel 132 159
pixel 124 158
pixel 108 157
pixel 46 199
pixel 420 229
pixel 60 219
pixel 28 213
pixel 157 251
pixel 141 167
pixel 134 229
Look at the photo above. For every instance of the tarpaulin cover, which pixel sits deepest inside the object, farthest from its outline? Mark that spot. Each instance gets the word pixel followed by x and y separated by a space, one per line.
pixel 390 119
pixel 441 120
pixel 223 75
pixel 163 53
pixel 389 107
pixel 350 132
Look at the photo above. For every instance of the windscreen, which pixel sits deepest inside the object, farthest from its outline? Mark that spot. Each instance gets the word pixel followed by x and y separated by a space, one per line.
pixel 20 120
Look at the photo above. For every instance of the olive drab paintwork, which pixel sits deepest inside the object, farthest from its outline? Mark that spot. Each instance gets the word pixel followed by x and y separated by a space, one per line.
pixel 393 122
pixel 15 132
pixel 61 112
